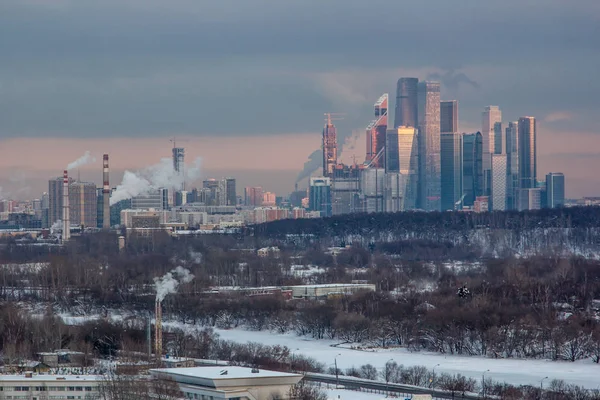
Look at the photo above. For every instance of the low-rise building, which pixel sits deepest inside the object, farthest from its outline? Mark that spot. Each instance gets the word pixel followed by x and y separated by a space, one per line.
pixel 328 290
pixel 235 383
pixel 56 387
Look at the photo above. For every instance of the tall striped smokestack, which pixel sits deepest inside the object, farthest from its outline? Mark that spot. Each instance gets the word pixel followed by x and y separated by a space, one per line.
pixel 106 195
pixel 66 233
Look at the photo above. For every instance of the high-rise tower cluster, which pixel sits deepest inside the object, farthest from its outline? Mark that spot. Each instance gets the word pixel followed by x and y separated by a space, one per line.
pixel 423 161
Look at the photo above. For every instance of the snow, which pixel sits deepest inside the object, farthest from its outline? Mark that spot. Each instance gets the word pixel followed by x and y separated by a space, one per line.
pixel 218 372
pixel 513 371
pixel 341 394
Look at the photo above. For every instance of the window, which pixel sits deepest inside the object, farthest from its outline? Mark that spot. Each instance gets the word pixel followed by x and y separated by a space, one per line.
pixel 88 389
pixel 71 388
pixel 79 388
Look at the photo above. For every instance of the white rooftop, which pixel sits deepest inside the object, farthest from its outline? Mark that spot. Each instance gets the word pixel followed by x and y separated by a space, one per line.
pixel 223 372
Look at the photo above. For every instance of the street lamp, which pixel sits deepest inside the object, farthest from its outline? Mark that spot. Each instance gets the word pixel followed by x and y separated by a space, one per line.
pixel 387 376
pixel 542 383
pixel 483 381
pixel 433 375
pixel 337 377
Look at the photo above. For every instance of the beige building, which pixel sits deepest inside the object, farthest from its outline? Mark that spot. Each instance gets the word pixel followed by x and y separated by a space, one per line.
pixel 57 387
pixel 234 383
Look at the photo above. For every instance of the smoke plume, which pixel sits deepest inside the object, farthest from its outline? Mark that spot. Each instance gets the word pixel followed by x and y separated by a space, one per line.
pixel 86 158
pixel 57 226
pixel 169 283
pixel 315 161
pixel 161 175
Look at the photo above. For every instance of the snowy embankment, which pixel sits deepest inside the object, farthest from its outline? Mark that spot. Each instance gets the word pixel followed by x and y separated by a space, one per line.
pixel 513 371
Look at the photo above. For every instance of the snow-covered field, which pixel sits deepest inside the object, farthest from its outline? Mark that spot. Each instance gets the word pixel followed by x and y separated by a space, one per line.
pixel 514 371
pixel 340 394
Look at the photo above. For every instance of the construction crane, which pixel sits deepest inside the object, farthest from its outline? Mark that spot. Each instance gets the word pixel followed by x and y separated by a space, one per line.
pixel 333 117
pixel 174 140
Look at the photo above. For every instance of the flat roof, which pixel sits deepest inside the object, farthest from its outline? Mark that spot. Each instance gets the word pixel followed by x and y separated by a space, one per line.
pixel 215 373
pixel 51 378
pixel 328 285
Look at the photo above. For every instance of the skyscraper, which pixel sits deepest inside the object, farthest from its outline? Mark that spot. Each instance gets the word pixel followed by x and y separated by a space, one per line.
pixel 253 196
pixel 490 115
pixel 555 189
pixel 376 133
pixel 329 147
pixel 451 160
pixel 498 138
pixel 429 145
pixel 402 156
pixel 472 167
pixel 319 195
pixel 449 116
pixel 231 192
pixel 83 204
pixel 512 165
pixel 527 153
pixel 530 199
pixel 499 174
pixel 406 113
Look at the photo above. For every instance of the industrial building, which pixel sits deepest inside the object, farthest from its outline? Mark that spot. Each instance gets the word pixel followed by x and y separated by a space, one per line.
pixel 327 290
pixel 235 383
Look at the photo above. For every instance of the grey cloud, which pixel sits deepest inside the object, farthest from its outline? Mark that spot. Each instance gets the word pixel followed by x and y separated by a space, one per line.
pixel 149 67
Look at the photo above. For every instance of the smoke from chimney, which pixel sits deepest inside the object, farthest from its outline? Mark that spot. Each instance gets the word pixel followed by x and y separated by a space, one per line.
pixel 105 194
pixel 66 234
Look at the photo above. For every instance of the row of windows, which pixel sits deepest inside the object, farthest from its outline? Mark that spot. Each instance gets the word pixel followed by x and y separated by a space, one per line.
pixel 86 397
pixel 46 388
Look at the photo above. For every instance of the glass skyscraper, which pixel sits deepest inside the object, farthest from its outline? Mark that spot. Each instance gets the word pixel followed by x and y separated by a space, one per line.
pixel 490 116
pixel 402 156
pixel 319 196
pixel 451 160
pixel 512 165
pixel 527 153
pixel 429 146
pixel 555 190
pixel 472 167
pixel 449 116
pixel 406 113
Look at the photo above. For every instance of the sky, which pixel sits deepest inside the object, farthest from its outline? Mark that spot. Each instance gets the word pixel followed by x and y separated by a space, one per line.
pixel 244 84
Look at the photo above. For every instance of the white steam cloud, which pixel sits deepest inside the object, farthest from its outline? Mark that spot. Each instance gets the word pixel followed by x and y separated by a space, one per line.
pixel 161 175
pixel 86 158
pixel 170 281
pixel 57 226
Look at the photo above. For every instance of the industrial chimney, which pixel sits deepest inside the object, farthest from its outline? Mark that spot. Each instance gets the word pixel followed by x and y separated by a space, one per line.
pixel 66 233
pixel 106 195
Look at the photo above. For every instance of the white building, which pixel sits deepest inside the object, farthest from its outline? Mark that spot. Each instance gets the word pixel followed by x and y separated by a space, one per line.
pixel 56 387
pixel 235 383
pixel 326 290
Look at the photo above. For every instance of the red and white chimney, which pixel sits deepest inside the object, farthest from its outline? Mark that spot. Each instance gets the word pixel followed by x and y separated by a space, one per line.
pixel 66 233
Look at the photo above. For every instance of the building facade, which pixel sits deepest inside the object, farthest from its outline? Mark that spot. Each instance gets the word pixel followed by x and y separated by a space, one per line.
pixel 319 195
pixel 429 146
pixel 499 174
pixel 451 159
pixel 329 147
pixel 527 153
pixel 157 199
pixel 472 167
pixel 376 134
pixel 402 156
pixel 449 116
pixel 530 199
pixel 512 165
pixel 490 116
pixel 555 190
pixel 83 204
pixel 406 112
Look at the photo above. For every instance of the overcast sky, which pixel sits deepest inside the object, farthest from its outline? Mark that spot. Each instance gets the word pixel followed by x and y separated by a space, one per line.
pixel 254 68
